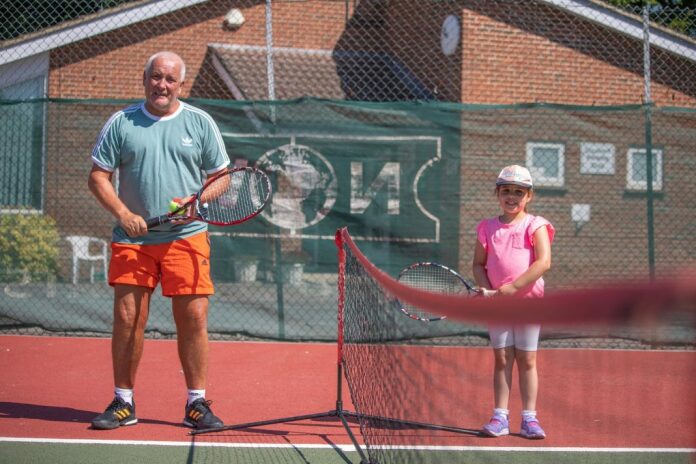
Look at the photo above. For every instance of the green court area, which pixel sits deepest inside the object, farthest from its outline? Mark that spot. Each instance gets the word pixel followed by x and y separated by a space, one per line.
pixel 105 453
pixel 118 453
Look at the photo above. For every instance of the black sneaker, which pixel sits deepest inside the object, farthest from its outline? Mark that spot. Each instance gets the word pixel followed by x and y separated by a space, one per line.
pixel 198 415
pixel 118 413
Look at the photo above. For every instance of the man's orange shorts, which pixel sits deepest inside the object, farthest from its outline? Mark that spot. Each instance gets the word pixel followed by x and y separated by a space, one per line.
pixel 182 266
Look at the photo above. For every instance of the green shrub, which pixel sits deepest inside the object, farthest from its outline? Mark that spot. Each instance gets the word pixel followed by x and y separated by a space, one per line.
pixel 28 247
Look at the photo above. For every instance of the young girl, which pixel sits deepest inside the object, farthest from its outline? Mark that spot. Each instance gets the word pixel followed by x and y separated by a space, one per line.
pixel 512 253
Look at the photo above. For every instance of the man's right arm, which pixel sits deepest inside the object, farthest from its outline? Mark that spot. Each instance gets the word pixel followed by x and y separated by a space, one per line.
pixel 100 185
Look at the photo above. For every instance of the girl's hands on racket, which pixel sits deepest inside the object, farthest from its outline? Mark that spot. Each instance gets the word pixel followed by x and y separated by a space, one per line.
pixel 507 290
pixel 484 292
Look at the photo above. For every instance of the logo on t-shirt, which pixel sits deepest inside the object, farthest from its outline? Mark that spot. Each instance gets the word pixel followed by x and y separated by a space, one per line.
pixel 187 141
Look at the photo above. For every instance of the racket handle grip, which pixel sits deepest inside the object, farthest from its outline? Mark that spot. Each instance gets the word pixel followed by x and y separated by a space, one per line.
pixel 156 221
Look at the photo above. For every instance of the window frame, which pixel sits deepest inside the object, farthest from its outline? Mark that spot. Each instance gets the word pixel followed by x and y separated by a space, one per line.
pixel 540 180
pixel 15 75
pixel 642 185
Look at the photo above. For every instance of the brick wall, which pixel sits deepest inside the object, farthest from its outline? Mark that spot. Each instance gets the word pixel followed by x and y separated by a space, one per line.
pixel 110 65
pixel 504 57
pixel 526 52
pixel 509 53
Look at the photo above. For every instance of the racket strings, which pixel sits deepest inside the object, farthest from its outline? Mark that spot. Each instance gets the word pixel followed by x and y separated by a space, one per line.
pixel 234 197
pixel 432 278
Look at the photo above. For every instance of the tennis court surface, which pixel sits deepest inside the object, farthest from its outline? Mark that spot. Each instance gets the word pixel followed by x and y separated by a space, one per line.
pixel 409 392
pixel 52 387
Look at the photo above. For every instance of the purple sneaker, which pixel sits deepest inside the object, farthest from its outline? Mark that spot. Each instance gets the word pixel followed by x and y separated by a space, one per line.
pixel 530 428
pixel 497 426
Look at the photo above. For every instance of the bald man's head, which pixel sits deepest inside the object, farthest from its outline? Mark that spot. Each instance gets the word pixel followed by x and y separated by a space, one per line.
pixel 170 56
pixel 163 80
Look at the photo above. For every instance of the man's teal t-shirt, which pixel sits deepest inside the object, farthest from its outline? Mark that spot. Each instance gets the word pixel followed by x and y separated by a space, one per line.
pixel 157 159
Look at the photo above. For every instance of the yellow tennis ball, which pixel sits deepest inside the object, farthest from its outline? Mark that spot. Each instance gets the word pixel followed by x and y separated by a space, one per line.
pixel 173 206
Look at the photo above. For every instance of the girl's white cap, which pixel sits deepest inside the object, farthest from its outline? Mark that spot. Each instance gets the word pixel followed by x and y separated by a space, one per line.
pixel 516 175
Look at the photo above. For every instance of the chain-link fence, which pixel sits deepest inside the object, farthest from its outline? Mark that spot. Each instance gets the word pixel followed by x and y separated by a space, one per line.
pixel 414 108
pixel 470 51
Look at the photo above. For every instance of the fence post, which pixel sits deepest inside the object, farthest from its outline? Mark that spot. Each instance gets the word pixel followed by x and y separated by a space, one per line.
pixel 648 142
pixel 270 68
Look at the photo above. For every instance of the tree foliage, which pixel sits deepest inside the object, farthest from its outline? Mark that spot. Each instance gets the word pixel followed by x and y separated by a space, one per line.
pixel 654 3
pixel 32 16
pixel 28 246
pixel 678 15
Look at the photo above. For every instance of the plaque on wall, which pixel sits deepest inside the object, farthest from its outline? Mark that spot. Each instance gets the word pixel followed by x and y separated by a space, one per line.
pixel 597 158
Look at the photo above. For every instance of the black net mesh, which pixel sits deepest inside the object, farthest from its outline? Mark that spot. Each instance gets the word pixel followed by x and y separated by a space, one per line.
pixel 422 390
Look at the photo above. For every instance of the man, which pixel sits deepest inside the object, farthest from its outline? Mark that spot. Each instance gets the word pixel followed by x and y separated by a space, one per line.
pixel 161 148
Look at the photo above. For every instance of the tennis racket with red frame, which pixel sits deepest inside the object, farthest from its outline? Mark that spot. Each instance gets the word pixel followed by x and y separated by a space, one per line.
pixel 433 277
pixel 228 198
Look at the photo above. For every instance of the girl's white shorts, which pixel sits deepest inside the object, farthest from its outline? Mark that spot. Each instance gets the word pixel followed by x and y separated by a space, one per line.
pixel 523 337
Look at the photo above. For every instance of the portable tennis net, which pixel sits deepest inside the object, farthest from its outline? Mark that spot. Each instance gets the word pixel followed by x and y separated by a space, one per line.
pixel 421 391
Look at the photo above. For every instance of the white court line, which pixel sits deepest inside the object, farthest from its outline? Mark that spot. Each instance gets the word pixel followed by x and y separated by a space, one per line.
pixel 347 447
pixel 193 442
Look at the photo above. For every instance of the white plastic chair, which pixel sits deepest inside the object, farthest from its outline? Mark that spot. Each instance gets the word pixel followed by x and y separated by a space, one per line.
pixel 81 250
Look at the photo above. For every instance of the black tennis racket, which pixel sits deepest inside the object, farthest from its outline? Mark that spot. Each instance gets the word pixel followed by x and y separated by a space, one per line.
pixel 229 198
pixel 433 277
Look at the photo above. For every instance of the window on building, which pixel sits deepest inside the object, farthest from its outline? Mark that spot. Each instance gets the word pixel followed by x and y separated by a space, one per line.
pixel 21 146
pixel 545 162
pixel 637 172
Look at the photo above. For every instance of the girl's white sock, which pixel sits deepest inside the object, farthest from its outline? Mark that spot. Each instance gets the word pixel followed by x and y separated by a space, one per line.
pixel 528 414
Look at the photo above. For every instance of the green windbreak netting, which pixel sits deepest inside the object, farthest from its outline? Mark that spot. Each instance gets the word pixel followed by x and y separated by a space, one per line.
pixel 409 180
